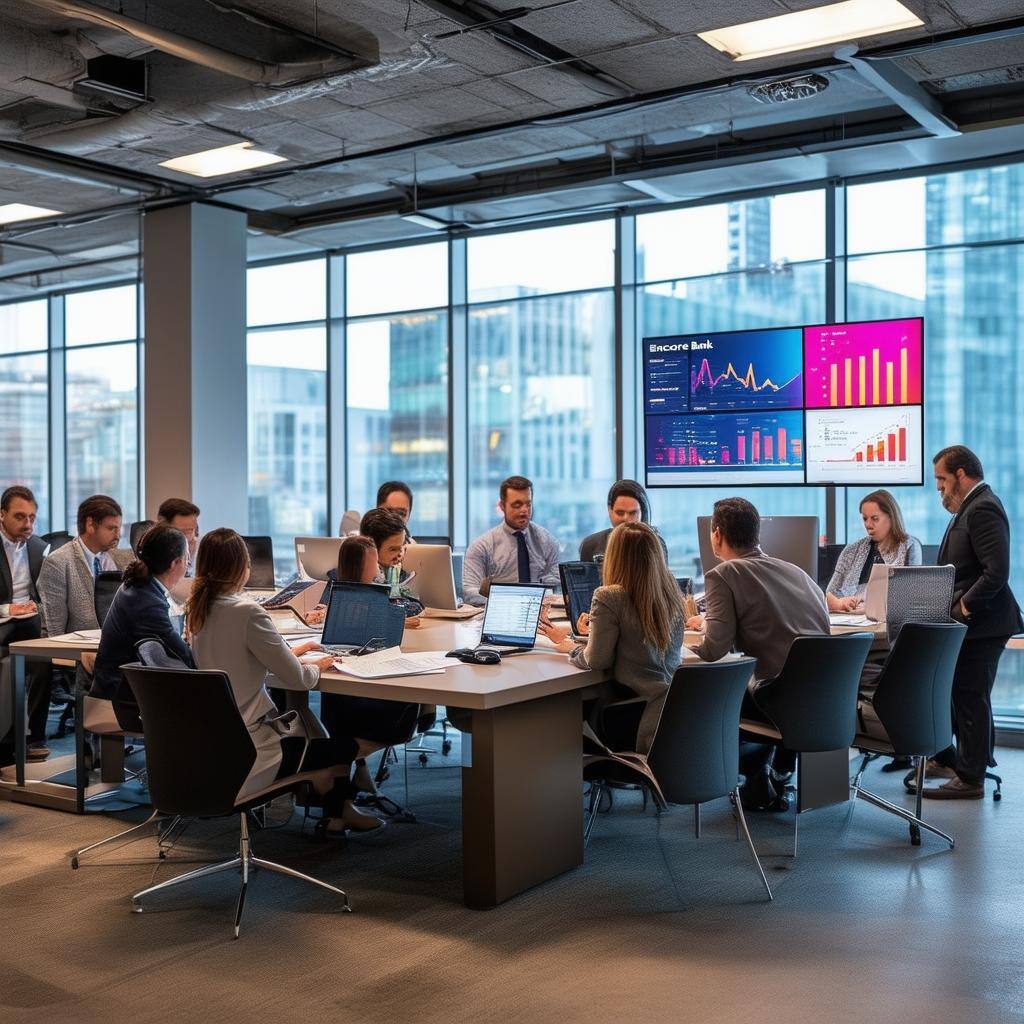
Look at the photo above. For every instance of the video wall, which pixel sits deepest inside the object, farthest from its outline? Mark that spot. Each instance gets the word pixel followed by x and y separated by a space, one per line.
pixel 827 404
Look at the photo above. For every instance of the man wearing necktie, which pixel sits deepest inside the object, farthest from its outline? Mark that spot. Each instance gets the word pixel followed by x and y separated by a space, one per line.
pixel 977 544
pixel 516 550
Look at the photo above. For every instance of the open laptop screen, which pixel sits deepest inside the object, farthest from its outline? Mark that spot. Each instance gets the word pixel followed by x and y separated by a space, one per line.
pixel 360 612
pixel 579 581
pixel 512 614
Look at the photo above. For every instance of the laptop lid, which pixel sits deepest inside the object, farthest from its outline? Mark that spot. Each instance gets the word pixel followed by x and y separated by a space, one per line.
pixel 876 594
pixel 315 556
pixel 579 581
pixel 512 615
pixel 435 581
pixel 359 612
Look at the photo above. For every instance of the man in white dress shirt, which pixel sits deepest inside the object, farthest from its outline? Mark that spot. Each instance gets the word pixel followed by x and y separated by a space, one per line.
pixel 516 550
pixel 19 611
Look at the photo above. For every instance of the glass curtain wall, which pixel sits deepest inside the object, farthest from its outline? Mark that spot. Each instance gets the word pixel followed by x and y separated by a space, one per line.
pixel 728 266
pixel 948 247
pixel 287 404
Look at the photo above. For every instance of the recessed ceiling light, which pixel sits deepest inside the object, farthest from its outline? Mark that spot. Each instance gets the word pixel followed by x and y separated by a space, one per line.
pixel 222 160
pixel 425 220
pixel 802 30
pixel 13 212
pixel 647 188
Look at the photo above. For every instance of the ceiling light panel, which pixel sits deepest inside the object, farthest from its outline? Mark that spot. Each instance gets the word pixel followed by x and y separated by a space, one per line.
pixel 13 212
pixel 224 160
pixel 803 30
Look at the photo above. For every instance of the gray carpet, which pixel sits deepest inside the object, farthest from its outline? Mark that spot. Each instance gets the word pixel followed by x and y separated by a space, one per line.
pixel 656 925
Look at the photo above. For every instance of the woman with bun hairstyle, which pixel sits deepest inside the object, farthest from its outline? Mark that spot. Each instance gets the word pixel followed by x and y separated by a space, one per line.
pixel 142 610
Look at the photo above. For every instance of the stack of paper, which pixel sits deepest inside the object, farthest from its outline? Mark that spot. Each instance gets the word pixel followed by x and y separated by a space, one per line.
pixel 392 662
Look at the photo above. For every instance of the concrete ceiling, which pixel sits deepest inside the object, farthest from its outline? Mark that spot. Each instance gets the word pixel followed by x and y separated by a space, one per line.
pixel 446 108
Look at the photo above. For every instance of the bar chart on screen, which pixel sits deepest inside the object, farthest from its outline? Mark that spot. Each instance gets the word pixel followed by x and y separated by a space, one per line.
pixel 764 447
pixel 873 445
pixel 863 364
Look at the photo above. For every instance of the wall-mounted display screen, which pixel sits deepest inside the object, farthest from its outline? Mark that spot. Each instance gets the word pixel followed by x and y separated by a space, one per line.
pixel 823 404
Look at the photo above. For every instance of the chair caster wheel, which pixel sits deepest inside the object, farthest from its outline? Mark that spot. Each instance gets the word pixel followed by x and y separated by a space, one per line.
pixel 162 855
pixel 997 796
pixel 915 836
pixel 423 760
pixel 74 863
pixel 446 747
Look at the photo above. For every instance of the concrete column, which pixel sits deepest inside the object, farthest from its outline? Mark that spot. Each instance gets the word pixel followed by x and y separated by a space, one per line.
pixel 194 259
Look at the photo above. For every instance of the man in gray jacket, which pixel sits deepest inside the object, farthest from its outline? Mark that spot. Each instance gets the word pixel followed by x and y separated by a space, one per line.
pixel 755 604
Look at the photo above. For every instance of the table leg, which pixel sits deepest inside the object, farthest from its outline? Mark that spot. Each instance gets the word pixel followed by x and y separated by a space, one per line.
pixel 522 803
pixel 20 721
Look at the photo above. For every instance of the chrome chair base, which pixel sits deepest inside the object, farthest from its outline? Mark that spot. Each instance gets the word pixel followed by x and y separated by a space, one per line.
pixel 246 861
pixel 169 824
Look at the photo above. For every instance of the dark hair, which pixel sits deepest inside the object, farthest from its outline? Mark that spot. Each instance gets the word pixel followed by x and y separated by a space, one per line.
pixel 351 555
pixel 221 564
pixel 157 549
pixel 515 483
pixel 380 523
pixel 957 456
pixel 630 489
pixel 176 507
pixel 17 491
pixel 738 522
pixel 389 488
pixel 97 508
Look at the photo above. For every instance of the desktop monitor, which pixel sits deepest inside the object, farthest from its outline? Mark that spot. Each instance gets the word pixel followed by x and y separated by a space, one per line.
pixel 316 556
pixel 794 539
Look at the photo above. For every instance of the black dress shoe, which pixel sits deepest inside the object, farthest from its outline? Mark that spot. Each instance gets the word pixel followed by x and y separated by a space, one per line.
pixel 759 794
pixel 898 764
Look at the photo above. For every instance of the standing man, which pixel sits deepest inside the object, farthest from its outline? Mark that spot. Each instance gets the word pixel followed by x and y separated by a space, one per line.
pixel 977 543
pixel 184 517
pixel 19 611
pixel 67 581
pixel 516 550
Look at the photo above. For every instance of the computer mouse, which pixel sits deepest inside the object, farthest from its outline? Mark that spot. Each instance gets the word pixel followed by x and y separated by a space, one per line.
pixel 487 657
pixel 462 653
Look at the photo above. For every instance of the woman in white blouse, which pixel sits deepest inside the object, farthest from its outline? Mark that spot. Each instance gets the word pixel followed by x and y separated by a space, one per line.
pixel 232 633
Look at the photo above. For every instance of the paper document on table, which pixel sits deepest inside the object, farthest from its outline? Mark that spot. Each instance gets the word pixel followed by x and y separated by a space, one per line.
pixel 392 662
pixel 849 620
pixel 79 636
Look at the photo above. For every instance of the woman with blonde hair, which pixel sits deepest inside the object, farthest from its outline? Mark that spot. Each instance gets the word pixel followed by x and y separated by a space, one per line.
pixel 233 634
pixel 886 542
pixel 635 630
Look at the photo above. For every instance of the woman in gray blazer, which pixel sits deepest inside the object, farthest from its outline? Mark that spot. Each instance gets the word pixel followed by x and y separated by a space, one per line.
pixel 232 633
pixel 635 629
pixel 887 542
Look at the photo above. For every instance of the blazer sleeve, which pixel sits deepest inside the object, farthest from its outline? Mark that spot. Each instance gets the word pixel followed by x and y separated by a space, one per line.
pixel 268 647
pixel 154 621
pixel 473 573
pixel 720 619
pixel 603 639
pixel 52 586
pixel 990 540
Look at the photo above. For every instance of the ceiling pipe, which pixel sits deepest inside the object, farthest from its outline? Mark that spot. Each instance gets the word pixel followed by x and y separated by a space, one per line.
pixel 251 70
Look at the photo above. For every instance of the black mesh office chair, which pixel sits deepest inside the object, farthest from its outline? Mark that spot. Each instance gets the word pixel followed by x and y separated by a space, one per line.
pixel 261 559
pixel 908 713
pixel 918 594
pixel 812 702
pixel 198 755
pixel 695 754
pixel 137 531
pixel 57 539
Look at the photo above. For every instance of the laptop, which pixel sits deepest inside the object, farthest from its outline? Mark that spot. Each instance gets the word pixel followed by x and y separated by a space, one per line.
pixel 435 582
pixel 511 617
pixel 579 581
pixel 300 596
pixel 360 615
pixel 316 556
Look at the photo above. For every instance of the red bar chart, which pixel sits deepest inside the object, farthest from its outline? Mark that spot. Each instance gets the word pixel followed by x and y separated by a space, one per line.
pixel 880 445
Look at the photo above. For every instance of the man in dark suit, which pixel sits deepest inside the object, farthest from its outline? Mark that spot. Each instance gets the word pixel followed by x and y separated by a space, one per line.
pixel 977 544
pixel 19 609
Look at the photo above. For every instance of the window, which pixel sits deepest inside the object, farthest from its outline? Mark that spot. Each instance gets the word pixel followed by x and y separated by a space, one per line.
pixel 105 314
pixel 102 426
pixel 972 300
pixel 397 425
pixel 23 326
pixel 24 444
pixel 542 261
pixel 541 401
pixel 287 293
pixel 287 400
pixel 390 280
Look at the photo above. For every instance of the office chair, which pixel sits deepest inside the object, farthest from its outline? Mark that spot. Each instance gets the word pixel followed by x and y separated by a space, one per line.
pixel 918 594
pixel 828 556
pixel 198 755
pixel 137 531
pixel 261 563
pixel 57 539
pixel 929 554
pixel 446 541
pixel 812 702
pixel 908 713
pixel 350 522
pixel 695 754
